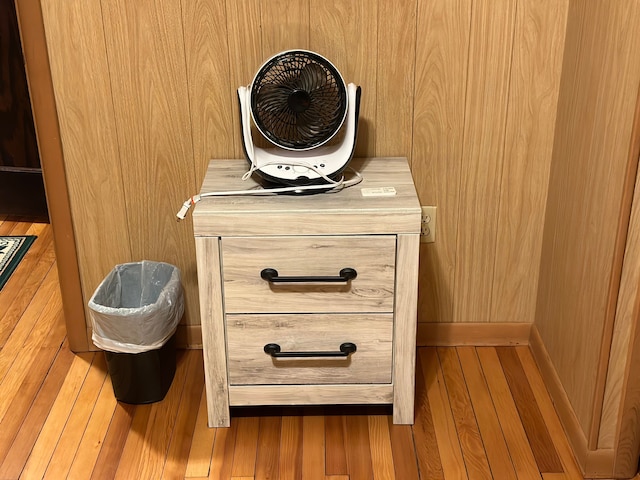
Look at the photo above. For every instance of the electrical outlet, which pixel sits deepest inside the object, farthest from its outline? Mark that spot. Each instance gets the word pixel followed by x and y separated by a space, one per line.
pixel 428 225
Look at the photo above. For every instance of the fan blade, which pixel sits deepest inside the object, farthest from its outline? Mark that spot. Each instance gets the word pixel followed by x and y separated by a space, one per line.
pixel 312 77
pixel 272 98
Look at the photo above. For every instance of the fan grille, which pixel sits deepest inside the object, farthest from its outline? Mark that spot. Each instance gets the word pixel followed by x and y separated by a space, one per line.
pixel 298 100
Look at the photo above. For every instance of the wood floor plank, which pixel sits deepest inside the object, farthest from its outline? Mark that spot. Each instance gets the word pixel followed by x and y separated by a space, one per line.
pixel 76 424
pixel 487 415
pixel 551 419
pixel 380 446
pixel 357 444
pixel 268 448
pixel 21 403
pixel 199 460
pixel 22 445
pixel 52 429
pixel 128 461
pixel 162 421
pixel 24 283
pixel 290 461
pixel 176 459
pixel 42 308
pixel 23 364
pixel 94 435
pixel 514 433
pixel 444 424
pixel 244 458
pixel 48 432
pixel 405 462
pixel 313 456
pixel 532 420
pixel 114 442
pixel 223 452
pixel 473 450
pixel 426 444
pixel 336 460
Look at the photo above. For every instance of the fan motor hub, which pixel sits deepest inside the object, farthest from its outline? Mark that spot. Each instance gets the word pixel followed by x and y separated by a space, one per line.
pixel 299 101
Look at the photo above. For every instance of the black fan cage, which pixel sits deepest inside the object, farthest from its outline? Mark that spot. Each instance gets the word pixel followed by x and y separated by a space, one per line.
pixel 298 100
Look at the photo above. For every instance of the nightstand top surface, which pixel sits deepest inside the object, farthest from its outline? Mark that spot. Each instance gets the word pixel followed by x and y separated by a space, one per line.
pixel 345 212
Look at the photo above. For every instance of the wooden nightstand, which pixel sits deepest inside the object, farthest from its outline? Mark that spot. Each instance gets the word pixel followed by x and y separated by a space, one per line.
pixel 345 333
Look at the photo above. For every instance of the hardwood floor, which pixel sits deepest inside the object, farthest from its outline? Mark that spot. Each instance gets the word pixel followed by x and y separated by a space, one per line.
pixel 481 413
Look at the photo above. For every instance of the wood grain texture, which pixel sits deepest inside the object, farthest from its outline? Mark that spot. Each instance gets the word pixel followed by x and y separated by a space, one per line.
pixel 473 451
pixel 488 415
pixel 89 138
pixel 352 47
pixel 406 316
pixel 442 48
pixel 626 305
pixel 39 76
pixel 248 364
pixel 395 83
pixel 310 394
pixel 267 460
pixel 574 294
pixel 213 340
pixel 532 420
pixel 290 460
pixel 424 435
pixel 548 411
pixel 373 258
pixel 515 435
pixel 245 54
pixel 202 443
pixel 44 446
pixel 336 460
pixel 450 454
pixel 473 334
pixel 331 442
pixel 531 112
pixel 285 26
pixel 76 424
pixel 491 37
pixel 313 447
pixel 207 62
pixel 147 68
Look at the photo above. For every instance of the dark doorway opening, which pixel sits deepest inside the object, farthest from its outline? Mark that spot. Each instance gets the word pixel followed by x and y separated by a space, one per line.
pixel 21 184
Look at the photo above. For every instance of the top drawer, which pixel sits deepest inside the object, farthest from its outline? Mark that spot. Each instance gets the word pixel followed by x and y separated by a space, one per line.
pixel 372 290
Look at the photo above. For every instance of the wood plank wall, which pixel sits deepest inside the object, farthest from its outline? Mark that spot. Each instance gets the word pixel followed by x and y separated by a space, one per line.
pixel 589 203
pixel 467 90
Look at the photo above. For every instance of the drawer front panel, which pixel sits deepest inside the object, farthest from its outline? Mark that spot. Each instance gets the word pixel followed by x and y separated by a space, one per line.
pixel 372 257
pixel 249 364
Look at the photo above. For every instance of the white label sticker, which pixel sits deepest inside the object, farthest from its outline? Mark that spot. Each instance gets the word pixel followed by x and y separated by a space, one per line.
pixel 378 192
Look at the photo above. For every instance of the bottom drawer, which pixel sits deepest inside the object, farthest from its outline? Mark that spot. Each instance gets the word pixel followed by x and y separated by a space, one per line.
pixel 248 363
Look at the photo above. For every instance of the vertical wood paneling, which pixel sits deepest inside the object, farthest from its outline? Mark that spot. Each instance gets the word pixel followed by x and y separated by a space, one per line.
pixel 437 88
pixel 587 179
pixel 533 96
pixel 245 53
pixel 79 70
pixel 285 26
pixel 347 33
pixel 395 82
pixel 490 48
pixel 147 67
pixel 211 98
pixel 442 46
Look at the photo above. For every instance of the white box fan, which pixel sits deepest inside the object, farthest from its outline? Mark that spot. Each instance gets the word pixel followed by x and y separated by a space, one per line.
pixel 299 102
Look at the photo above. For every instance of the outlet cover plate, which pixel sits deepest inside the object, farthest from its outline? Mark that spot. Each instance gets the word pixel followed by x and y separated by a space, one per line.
pixel 428 224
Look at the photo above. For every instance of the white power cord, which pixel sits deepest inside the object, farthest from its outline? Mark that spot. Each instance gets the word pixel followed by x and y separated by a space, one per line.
pixel 334 186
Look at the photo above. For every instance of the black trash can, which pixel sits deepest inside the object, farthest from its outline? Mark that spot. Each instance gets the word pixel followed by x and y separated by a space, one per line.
pixel 134 313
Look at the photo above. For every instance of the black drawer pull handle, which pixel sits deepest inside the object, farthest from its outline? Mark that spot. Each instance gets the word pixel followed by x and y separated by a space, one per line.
pixel 271 275
pixel 273 349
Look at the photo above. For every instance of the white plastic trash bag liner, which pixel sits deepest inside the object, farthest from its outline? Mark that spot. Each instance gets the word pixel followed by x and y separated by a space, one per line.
pixel 137 307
